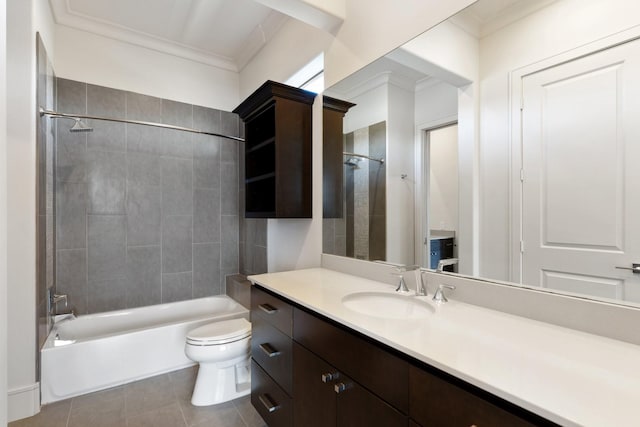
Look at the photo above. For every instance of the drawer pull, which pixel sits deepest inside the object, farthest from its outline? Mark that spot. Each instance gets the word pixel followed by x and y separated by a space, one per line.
pixel 330 376
pixel 267 308
pixel 268 350
pixel 340 387
pixel 269 405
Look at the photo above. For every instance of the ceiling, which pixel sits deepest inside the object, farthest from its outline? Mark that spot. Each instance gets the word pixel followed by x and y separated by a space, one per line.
pixel 222 33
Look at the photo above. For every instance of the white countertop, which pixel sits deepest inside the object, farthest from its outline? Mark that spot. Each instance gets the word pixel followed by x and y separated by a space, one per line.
pixel 567 376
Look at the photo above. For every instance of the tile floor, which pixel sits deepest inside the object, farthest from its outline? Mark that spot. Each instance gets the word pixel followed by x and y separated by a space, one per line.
pixel 161 401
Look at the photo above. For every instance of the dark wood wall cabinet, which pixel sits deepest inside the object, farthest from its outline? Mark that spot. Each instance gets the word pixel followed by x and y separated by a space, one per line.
pixel 333 111
pixel 310 371
pixel 277 151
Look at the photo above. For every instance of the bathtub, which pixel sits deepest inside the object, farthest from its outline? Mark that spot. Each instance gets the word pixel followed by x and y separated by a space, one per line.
pixel 98 351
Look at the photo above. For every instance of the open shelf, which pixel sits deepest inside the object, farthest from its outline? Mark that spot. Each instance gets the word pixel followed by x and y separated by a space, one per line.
pixel 277 120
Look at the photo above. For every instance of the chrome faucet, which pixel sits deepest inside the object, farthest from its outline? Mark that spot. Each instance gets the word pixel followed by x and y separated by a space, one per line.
pixel 439 297
pixel 444 262
pixel 421 289
pixel 401 269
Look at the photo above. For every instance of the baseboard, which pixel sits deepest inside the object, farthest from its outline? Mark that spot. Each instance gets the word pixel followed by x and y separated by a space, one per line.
pixel 23 402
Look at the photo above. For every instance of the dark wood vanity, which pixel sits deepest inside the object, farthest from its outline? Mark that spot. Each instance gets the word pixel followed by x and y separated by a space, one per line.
pixel 310 371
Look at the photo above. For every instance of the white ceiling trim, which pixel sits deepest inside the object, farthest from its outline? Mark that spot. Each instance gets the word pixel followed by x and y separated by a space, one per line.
pixel 63 15
pixel 308 13
pixel 259 37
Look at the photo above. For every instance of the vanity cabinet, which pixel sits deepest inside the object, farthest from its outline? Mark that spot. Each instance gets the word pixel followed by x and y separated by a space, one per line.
pixel 325 397
pixel 271 358
pixel 313 372
pixel 277 151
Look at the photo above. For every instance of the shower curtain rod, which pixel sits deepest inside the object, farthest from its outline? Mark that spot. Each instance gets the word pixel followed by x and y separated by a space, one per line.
pixel 44 112
pixel 345 153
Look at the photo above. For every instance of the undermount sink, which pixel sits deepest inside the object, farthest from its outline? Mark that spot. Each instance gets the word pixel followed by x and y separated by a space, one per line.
pixel 388 305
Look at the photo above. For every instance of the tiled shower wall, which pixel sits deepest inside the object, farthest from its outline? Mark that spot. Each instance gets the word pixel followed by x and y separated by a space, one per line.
pixel 144 215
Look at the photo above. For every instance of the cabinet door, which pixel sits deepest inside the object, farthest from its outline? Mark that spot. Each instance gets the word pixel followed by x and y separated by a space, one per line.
pixel 325 397
pixel 314 401
pixel 359 407
pixel 376 369
pixel 435 402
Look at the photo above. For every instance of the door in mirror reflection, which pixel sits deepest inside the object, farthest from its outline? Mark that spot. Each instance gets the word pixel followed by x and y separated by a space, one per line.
pixel 581 175
pixel 441 151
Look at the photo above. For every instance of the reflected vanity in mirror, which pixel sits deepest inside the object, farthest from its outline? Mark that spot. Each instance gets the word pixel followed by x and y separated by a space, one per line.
pixel 507 143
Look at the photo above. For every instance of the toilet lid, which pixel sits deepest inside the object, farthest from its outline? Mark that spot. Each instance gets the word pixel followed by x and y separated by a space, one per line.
pixel 220 332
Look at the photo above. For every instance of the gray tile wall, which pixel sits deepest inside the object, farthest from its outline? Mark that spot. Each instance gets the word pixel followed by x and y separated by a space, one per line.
pixel 144 215
pixel 253 235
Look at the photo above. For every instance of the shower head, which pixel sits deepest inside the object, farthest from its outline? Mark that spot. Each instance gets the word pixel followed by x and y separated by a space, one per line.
pixel 352 161
pixel 80 126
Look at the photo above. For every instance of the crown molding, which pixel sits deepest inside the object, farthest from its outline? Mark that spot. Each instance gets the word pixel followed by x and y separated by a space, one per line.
pixel 63 15
pixel 259 37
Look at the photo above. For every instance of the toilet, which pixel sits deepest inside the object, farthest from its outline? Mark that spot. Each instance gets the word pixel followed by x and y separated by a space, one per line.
pixel 222 349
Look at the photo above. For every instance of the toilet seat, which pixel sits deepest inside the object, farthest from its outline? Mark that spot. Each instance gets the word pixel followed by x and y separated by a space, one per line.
pixel 218 333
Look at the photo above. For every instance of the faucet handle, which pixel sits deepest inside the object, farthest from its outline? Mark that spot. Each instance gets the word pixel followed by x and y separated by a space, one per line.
pixel 56 298
pixel 403 268
pixel 402 286
pixel 439 296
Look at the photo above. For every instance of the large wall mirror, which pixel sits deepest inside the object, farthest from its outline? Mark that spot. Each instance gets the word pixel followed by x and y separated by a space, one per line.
pixel 508 138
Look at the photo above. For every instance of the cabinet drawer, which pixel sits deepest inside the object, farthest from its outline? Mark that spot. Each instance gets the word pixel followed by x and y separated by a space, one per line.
pixel 435 402
pixel 271 402
pixel 379 371
pixel 271 349
pixel 272 309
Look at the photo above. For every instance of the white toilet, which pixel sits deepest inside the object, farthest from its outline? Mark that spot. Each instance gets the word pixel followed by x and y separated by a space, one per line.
pixel 222 349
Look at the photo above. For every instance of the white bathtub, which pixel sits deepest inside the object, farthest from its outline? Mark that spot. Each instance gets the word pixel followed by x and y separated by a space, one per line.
pixel 98 351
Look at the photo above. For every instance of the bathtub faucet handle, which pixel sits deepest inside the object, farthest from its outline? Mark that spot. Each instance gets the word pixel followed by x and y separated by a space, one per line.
pixel 56 298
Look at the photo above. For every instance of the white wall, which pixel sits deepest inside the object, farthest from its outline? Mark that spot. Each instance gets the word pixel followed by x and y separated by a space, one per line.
pixel 446 46
pixel 370 32
pixel 99 60
pixel 435 102
pixel 371 107
pixel 24 18
pixel 292 47
pixel 564 25
pixel 3 214
pixel 400 161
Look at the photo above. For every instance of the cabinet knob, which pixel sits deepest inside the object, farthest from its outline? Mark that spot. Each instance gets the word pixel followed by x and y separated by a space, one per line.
pixel 268 403
pixel 267 308
pixel 330 376
pixel 340 387
pixel 269 350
